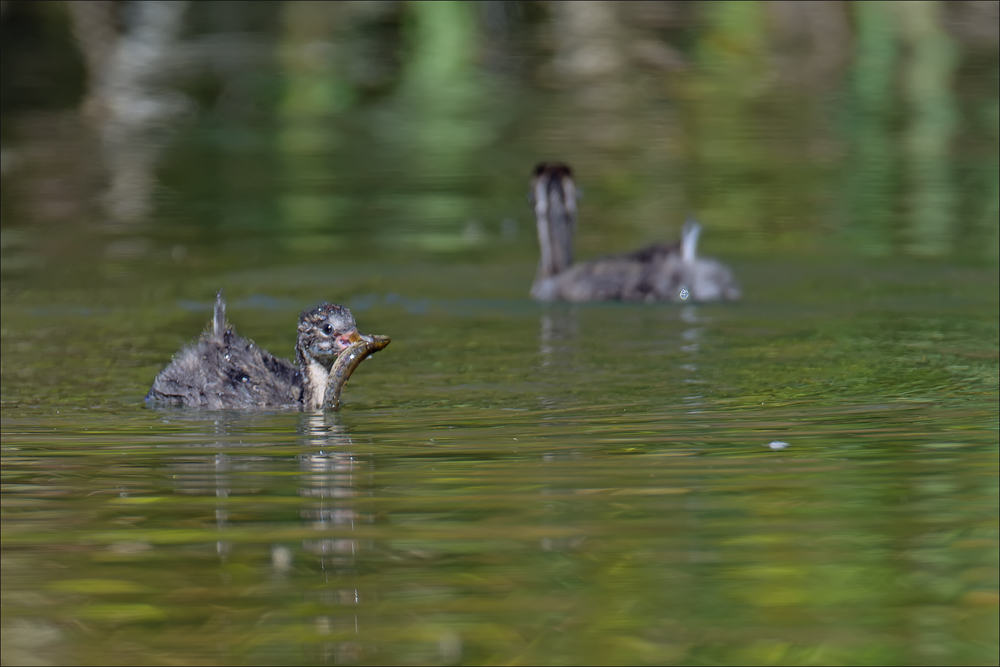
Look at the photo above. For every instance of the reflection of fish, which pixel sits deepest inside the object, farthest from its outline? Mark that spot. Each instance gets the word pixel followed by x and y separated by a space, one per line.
pixel 346 363
pixel 656 273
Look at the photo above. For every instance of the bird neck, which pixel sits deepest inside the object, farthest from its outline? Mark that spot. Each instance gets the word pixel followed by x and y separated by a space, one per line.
pixel 314 379
pixel 556 221
pixel 314 374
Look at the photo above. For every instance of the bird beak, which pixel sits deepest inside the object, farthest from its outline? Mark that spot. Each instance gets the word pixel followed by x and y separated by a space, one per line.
pixel 345 340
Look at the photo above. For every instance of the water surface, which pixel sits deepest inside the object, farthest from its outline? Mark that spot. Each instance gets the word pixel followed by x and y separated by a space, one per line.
pixel 510 482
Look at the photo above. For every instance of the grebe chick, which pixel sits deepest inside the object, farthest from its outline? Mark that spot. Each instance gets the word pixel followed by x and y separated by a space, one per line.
pixel 223 370
pixel 656 273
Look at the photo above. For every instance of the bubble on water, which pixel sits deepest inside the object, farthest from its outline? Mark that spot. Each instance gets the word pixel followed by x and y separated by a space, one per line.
pixel 684 294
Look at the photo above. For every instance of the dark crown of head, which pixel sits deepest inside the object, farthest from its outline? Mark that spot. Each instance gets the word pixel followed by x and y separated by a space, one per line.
pixel 339 316
pixel 552 169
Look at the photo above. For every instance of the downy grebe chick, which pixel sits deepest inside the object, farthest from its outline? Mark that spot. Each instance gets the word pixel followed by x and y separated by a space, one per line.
pixel 655 273
pixel 224 370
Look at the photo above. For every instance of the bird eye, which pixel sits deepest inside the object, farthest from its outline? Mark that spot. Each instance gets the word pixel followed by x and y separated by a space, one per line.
pixel 327 329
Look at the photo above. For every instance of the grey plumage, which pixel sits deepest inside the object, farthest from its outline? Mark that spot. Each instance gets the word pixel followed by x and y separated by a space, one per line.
pixel 224 370
pixel 663 272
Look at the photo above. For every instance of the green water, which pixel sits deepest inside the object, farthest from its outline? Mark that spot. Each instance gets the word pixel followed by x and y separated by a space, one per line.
pixel 510 482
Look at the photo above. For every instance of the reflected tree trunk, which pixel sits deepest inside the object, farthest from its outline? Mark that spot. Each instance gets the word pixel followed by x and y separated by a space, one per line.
pixel 130 96
pixel 928 90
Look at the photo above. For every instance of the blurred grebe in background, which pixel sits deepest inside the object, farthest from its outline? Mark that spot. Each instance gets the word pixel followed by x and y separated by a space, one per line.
pixel 656 273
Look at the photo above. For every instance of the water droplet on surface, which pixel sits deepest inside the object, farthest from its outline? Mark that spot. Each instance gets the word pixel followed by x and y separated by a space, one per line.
pixel 683 294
